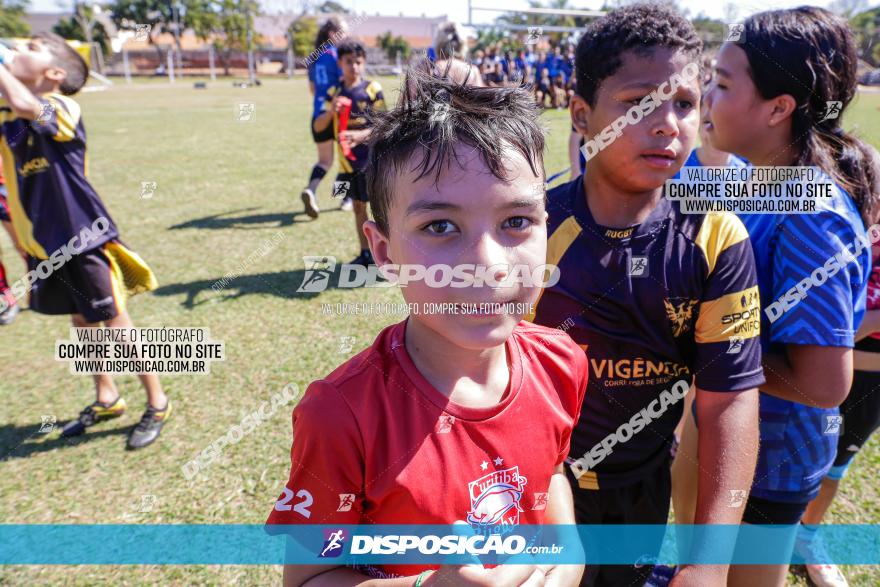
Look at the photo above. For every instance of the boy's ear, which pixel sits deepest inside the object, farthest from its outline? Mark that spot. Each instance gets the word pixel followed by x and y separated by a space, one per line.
pixel 580 113
pixel 783 106
pixel 378 243
pixel 55 74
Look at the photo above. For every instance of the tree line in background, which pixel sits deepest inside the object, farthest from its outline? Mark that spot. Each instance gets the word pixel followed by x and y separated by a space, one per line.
pixel 231 24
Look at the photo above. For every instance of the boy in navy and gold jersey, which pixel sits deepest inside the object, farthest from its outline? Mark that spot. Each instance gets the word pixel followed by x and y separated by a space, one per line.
pixel 660 300
pixel 53 207
pixel 364 96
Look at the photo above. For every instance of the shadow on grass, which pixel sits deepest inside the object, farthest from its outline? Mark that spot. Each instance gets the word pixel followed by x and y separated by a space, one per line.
pixel 249 222
pixel 283 284
pixel 20 442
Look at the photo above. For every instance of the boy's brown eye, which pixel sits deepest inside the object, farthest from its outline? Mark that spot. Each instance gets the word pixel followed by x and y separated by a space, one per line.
pixel 518 222
pixel 440 227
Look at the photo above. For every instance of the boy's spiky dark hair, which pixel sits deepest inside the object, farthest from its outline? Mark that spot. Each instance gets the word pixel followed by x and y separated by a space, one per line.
pixel 65 57
pixel 433 115
pixel 639 27
pixel 350 46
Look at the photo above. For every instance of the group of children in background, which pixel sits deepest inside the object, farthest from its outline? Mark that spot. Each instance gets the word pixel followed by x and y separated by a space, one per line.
pixel 653 299
pixel 550 74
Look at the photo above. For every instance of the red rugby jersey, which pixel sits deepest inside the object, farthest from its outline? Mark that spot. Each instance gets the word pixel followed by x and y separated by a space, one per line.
pixel 375 443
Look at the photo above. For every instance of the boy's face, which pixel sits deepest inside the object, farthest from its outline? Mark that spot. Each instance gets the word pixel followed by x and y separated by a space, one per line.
pixel 32 61
pixel 468 217
pixel 736 112
pixel 352 67
pixel 652 150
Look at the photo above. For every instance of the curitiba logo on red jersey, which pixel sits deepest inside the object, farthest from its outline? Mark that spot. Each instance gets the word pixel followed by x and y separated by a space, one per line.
pixel 495 498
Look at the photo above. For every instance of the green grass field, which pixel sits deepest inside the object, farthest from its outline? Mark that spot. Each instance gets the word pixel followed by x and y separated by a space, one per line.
pixel 224 190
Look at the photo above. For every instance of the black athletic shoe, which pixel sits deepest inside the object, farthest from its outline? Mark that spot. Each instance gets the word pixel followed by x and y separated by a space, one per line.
pixel 97 412
pixel 365 259
pixel 148 429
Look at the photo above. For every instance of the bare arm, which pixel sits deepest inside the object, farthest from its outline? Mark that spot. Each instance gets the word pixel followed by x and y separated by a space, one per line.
pixel 22 101
pixel 325 118
pixel 560 510
pixel 324 576
pixel 727 453
pixel 812 375
pixel 870 324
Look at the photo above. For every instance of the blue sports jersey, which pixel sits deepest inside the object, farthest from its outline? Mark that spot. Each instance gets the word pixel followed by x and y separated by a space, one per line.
pixel 324 72
pixel 796 451
pixel 694 161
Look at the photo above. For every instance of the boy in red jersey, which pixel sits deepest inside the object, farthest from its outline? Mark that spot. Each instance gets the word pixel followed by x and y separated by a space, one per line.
pixel 445 410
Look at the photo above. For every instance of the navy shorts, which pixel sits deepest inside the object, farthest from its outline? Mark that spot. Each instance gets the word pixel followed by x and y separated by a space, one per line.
pixel 760 511
pixel 84 285
pixel 353 184
pixel 322 136
pixel 861 415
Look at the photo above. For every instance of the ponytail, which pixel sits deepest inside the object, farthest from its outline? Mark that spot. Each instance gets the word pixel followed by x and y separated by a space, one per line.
pixel 810 54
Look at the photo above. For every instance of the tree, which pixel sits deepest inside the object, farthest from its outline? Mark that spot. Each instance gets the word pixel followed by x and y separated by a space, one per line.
pixel 12 23
pixel 847 8
pixel 866 27
pixel 82 26
pixel 163 16
pixel 393 45
pixel 234 19
pixel 303 31
pixel 333 6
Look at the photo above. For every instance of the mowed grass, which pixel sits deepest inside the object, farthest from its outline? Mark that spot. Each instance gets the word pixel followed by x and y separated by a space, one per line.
pixel 225 191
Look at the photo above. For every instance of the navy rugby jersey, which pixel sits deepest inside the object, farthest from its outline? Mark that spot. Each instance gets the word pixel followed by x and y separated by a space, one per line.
pixel 365 97
pixel 673 298
pixel 50 200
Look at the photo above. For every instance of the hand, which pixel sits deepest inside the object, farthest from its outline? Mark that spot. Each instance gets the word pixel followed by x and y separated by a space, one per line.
pixel 478 576
pixel 562 575
pixel 354 137
pixel 339 102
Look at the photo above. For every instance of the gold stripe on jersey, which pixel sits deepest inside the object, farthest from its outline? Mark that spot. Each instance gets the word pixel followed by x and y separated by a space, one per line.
pixel 557 245
pixel 67 116
pixel 373 89
pixel 736 314
pixel 719 231
pixel 589 480
pixel 21 224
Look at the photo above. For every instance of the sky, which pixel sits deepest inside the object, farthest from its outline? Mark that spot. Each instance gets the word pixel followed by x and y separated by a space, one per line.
pixel 458 9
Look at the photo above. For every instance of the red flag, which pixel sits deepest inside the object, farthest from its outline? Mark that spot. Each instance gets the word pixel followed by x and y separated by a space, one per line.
pixel 344 113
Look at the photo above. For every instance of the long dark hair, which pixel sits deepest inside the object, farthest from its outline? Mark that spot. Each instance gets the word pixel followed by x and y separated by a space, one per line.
pixel 810 54
pixel 330 27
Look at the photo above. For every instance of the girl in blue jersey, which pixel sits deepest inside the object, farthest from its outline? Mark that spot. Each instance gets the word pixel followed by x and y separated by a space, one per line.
pixel 777 100
pixel 324 74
